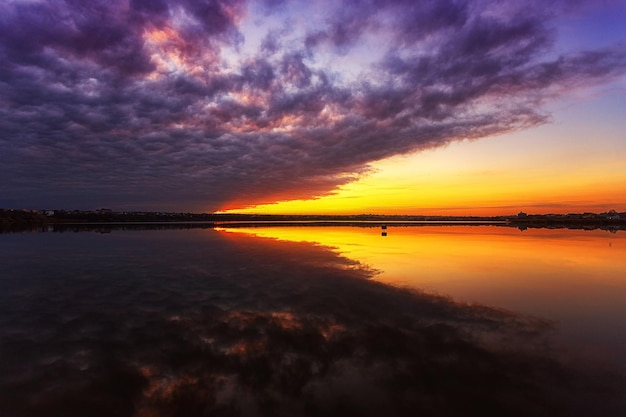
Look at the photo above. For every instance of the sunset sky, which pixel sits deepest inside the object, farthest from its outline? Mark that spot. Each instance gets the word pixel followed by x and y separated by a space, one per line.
pixel 360 106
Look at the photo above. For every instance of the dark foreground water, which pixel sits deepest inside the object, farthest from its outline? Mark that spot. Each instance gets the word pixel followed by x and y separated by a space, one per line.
pixel 267 323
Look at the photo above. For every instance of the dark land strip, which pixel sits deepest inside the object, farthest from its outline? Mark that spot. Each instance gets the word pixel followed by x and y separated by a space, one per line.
pixel 106 220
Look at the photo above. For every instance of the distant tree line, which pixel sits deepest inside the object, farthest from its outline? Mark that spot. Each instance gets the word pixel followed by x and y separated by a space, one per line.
pixel 17 220
pixel 23 220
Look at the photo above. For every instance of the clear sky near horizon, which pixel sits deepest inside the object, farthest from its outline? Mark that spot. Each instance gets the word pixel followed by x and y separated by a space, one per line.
pixel 364 106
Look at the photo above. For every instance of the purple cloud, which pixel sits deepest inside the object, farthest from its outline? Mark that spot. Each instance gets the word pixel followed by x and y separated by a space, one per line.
pixel 172 105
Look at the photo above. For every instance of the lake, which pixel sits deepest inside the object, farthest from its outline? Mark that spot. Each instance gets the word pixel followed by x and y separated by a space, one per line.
pixel 293 320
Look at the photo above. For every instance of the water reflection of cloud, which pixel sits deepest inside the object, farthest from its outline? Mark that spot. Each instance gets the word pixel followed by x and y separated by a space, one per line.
pixel 184 324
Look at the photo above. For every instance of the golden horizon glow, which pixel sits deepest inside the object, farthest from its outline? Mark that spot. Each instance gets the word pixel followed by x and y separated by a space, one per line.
pixel 441 181
pixel 575 164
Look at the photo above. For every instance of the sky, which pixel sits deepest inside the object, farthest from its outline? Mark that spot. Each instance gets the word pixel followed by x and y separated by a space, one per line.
pixel 360 106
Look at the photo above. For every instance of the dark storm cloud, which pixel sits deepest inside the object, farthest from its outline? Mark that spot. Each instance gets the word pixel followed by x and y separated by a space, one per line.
pixel 154 105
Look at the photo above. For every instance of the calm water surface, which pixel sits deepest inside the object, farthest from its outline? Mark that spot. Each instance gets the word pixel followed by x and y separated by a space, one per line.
pixel 574 277
pixel 430 320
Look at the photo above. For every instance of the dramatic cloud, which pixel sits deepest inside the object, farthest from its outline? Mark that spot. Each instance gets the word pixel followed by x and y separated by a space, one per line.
pixel 199 105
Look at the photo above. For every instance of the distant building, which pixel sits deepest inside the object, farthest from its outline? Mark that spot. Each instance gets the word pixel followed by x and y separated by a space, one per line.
pixel 522 214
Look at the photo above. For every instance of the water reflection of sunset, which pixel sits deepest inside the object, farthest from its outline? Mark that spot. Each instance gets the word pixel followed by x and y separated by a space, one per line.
pixel 572 276
pixel 203 322
pixel 428 255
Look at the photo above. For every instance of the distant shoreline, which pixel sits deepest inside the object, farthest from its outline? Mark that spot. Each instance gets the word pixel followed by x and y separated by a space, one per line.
pixel 35 220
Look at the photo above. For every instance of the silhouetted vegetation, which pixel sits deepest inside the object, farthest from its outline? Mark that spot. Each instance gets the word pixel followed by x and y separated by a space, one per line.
pixel 64 220
pixel 610 220
pixel 21 220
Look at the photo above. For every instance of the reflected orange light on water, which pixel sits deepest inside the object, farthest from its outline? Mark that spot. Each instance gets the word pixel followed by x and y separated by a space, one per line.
pixel 431 255
pixel 575 277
